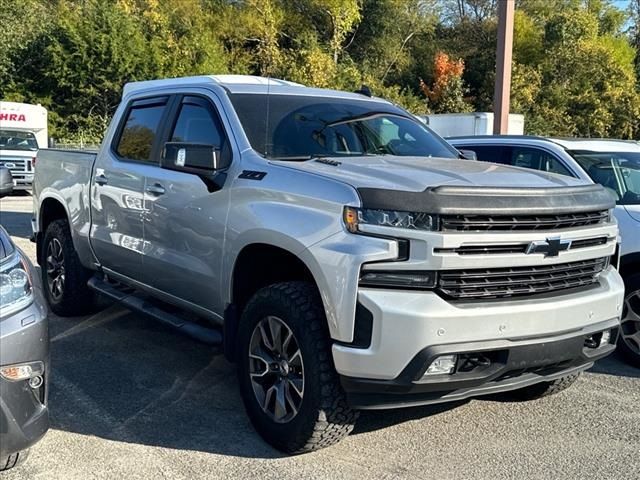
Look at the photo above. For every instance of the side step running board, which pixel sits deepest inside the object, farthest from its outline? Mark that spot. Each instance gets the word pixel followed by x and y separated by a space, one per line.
pixel 132 301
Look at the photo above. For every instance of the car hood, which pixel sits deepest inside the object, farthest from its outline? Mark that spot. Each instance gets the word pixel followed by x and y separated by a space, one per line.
pixel 418 173
pixel 451 186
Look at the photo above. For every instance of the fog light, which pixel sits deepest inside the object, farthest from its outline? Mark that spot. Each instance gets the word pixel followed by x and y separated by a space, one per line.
pixel 605 339
pixel 444 364
pixel 16 373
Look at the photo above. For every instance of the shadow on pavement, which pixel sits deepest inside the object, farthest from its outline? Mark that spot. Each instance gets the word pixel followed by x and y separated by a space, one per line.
pixel 125 378
pixel 119 376
pixel 371 420
pixel 18 224
pixel 614 365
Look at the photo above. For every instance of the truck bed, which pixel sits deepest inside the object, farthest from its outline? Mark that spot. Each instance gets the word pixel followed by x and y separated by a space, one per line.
pixel 66 176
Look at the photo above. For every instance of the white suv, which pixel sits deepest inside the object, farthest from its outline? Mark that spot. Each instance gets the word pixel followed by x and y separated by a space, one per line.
pixel 615 164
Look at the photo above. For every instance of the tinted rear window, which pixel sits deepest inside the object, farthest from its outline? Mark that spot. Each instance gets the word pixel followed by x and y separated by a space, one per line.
pixel 139 131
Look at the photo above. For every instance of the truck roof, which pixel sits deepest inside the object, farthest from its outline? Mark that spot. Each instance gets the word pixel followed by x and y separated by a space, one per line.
pixel 243 84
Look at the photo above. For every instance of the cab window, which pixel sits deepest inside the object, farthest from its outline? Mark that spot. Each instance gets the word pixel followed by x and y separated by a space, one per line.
pixel 198 122
pixel 196 125
pixel 140 128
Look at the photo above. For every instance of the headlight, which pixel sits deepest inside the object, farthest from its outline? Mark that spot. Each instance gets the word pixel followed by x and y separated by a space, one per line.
pixel 16 287
pixel 355 217
pixel 398 279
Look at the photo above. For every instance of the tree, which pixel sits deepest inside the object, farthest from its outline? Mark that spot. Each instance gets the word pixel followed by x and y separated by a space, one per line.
pixel 585 83
pixel 344 15
pixel 447 93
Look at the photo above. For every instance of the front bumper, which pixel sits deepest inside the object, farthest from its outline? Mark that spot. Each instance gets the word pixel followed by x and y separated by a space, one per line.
pixel 24 416
pixel 513 365
pixel 408 323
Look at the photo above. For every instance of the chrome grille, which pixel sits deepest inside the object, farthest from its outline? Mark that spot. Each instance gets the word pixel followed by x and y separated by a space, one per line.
pixel 18 166
pixel 508 282
pixel 516 248
pixel 467 223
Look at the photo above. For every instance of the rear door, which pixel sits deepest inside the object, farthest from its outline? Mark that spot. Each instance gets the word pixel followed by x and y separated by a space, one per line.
pixel 184 216
pixel 117 186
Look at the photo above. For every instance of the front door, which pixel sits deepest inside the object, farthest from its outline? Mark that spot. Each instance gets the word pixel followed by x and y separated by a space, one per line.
pixel 184 218
pixel 117 188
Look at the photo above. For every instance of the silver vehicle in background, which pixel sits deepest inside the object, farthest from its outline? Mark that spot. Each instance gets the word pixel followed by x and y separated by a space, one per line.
pixel 614 164
pixel 342 254
pixel 24 356
pixel 6 181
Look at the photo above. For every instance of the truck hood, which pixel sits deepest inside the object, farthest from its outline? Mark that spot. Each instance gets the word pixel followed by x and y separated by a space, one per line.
pixel 451 186
pixel 418 173
pixel 17 153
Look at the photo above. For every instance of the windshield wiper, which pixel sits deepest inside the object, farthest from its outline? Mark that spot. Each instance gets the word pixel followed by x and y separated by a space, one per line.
pixel 302 158
pixel 297 158
pixel 364 116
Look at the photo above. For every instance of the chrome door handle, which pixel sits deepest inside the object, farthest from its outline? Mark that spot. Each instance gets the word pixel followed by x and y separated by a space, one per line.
pixel 101 179
pixel 155 189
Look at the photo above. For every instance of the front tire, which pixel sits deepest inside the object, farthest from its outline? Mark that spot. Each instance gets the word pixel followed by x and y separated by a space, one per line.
pixel 64 279
pixel 288 382
pixel 629 339
pixel 544 389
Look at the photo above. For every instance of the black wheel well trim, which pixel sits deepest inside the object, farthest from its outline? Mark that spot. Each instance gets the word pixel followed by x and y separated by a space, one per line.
pixel 255 268
pixel 51 209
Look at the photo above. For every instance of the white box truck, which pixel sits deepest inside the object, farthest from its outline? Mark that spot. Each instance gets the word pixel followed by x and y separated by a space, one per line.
pixel 478 123
pixel 23 131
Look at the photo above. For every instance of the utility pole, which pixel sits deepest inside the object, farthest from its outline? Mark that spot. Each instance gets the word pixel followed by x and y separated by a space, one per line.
pixel 502 93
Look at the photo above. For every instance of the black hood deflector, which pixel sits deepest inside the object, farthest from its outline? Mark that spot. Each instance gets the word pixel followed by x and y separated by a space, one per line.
pixel 455 200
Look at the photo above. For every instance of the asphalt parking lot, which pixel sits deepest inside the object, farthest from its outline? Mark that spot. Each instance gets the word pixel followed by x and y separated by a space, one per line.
pixel 131 399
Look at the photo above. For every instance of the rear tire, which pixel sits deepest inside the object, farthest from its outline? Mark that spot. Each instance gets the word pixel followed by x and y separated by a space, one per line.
pixel 13 460
pixel 64 279
pixel 317 417
pixel 629 338
pixel 543 389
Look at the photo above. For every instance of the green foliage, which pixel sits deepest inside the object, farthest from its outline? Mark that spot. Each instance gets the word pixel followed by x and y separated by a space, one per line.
pixel 575 69
pixel 583 83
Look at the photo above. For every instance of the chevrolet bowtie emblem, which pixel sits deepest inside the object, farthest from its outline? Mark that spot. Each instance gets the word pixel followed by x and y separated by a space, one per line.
pixel 551 247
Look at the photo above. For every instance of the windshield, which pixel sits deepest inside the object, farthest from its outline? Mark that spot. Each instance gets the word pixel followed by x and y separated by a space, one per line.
pixel 617 171
pixel 300 127
pixel 17 140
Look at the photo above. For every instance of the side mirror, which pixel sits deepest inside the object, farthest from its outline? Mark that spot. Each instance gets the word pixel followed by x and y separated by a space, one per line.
pixel 196 158
pixel 468 154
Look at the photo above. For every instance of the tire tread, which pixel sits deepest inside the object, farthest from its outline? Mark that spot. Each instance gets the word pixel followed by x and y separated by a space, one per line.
pixel 335 419
pixel 78 298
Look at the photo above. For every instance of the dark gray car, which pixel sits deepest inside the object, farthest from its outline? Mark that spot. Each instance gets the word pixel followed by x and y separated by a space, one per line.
pixel 24 355
pixel 6 181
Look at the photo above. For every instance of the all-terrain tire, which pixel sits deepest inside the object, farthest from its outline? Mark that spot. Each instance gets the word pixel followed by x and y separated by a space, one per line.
pixel 324 417
pixel 629 348
pixel 77 298
pixel 13 460
pixel 544 389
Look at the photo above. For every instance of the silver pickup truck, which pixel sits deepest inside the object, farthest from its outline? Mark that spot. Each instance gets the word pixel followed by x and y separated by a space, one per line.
pixel 342 254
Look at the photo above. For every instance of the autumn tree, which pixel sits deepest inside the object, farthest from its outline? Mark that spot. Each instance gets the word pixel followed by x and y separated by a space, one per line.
pixel 446 95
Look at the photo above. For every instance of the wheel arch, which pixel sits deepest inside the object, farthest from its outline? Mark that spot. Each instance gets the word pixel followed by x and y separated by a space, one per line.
pixel 258 265
pixel 51 209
